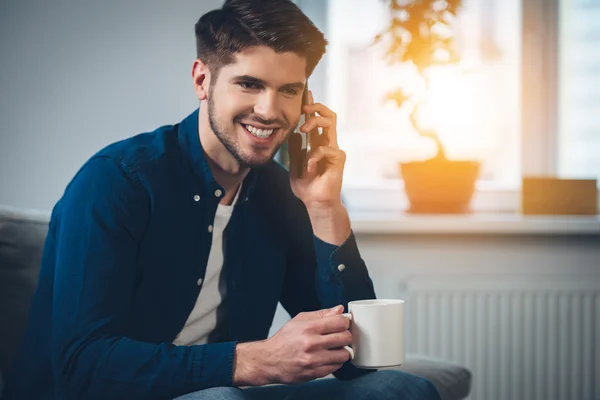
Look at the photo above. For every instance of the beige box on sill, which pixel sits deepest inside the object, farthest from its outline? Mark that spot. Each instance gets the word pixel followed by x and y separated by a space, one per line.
pixel 554 196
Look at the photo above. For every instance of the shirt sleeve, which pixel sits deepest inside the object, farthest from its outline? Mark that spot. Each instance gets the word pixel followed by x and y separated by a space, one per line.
pixel 322 275
pixel 95 231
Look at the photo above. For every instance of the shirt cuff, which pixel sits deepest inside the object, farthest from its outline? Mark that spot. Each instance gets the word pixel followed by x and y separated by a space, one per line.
pixel 338 260
pixel 342 273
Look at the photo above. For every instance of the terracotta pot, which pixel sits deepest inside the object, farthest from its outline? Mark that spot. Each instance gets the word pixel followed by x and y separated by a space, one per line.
pixel 439 185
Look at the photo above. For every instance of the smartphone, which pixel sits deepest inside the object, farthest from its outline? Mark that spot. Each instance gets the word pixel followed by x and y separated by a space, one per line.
pixel 314 138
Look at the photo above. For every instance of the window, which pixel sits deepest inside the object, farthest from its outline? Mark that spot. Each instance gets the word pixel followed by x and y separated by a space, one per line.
pixel 476 109
pixel 523 102
pixel 579 119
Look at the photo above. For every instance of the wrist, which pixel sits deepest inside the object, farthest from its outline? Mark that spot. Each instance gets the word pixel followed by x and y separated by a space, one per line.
pixel 250 365
pixel 330 222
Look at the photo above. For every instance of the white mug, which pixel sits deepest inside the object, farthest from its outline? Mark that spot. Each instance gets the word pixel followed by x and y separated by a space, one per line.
pixel 377 328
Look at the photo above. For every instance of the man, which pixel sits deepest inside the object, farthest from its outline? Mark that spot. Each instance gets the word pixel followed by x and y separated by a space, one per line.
pixel 169 251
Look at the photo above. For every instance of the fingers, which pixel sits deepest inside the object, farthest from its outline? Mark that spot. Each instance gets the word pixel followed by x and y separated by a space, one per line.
pixel 314 122
pixel 325 312
pixel 328 126
pixel 330 117
pixel 329 154
pixel 336 340
pixel 337 356
pixel 330 324
pixel 330 359
pixel 319 108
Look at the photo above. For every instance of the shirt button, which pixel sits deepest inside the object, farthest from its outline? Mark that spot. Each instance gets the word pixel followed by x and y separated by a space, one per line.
pixel 199 281
pixel 196 198
pixel 210 228
pixel 341 267
pixel 218 193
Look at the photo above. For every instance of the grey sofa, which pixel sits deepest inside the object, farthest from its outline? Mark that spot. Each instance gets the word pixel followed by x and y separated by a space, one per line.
pixel 22 236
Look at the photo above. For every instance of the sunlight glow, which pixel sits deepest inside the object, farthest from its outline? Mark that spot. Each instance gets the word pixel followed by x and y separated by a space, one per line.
pixel 455 108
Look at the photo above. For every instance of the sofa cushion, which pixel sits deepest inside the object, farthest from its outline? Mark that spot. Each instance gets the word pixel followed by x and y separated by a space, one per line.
pixel 22 236
pixel 452 381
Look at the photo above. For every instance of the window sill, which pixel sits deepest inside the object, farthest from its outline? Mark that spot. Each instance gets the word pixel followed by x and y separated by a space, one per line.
pixel 476 223
pixel 380 208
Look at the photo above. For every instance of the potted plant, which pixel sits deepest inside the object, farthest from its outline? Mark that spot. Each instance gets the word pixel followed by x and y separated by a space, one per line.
pixel 419 34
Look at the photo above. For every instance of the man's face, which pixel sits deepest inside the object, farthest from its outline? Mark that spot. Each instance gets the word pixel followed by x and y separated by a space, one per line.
pixel 254 104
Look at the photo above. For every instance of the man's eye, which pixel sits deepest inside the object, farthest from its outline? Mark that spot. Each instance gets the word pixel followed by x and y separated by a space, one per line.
pixel 248 85
pixel 290 92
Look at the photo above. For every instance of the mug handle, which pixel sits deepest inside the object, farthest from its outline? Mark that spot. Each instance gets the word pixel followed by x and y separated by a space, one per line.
pixel 348 348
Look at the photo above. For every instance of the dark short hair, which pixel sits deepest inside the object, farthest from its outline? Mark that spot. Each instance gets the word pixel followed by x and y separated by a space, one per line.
pixel 239 24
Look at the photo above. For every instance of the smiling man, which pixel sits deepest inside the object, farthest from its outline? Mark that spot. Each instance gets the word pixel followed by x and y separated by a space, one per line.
pixel 169 251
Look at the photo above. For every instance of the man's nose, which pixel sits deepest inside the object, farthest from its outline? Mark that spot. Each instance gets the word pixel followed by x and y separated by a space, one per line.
pixel 266 106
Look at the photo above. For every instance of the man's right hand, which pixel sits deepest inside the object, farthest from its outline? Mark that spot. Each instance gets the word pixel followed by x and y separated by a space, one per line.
pixel 307 347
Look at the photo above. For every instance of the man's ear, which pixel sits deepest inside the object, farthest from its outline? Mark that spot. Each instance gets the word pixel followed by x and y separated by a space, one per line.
pixel 201 78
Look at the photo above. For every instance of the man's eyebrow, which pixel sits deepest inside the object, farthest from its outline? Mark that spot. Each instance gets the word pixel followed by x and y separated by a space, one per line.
pixel 249 78
pixel 294 85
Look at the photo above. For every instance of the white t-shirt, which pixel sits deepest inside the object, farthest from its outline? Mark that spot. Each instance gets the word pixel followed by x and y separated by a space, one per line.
pixel 203 318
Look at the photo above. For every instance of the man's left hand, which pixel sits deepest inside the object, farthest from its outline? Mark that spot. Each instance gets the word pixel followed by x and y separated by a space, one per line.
pixel 320 186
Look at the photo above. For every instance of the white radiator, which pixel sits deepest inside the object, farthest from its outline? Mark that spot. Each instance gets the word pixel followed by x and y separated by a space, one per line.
pixel 521 338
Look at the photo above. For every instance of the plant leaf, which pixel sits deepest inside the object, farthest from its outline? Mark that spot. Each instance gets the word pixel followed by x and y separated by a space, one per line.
pixel 398 96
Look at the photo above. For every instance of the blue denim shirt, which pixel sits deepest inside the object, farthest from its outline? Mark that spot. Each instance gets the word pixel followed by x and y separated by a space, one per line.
pixel 127 244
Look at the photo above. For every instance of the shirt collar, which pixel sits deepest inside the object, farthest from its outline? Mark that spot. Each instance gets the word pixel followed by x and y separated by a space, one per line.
pixel 189 142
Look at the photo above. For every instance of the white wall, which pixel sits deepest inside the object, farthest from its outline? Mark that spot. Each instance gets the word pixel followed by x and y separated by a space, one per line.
pixel 78 75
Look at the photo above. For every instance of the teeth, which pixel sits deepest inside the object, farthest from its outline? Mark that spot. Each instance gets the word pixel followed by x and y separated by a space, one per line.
pixel 261 133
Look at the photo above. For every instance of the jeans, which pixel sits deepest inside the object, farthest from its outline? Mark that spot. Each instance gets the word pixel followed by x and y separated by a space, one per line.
pixel 379 385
